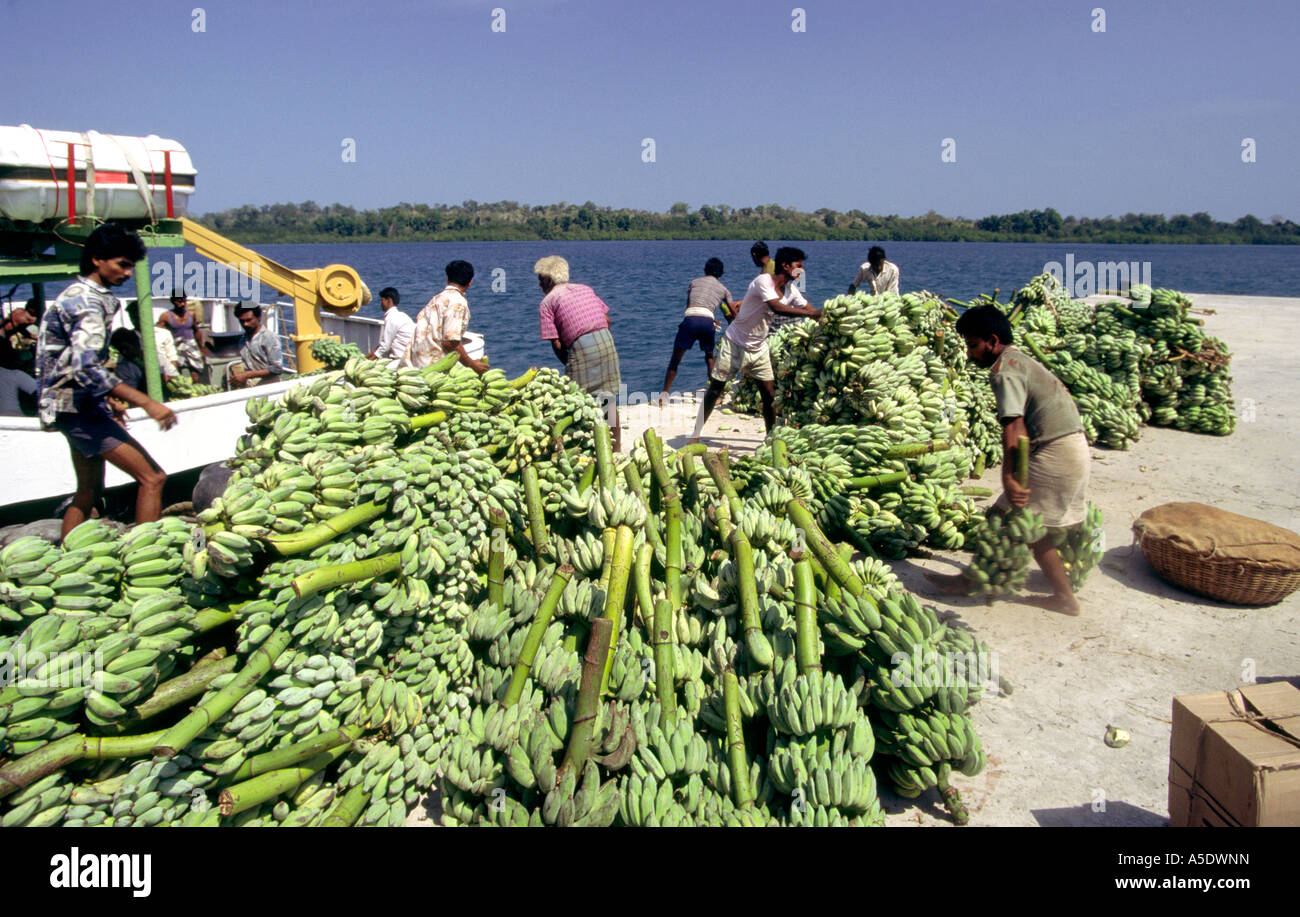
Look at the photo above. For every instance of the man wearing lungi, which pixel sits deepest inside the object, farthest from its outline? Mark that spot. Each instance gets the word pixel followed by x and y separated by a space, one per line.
pixel 1031 402
pixel 576 322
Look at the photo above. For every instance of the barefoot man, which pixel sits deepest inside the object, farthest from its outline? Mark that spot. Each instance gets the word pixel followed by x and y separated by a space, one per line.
pixel 1031 402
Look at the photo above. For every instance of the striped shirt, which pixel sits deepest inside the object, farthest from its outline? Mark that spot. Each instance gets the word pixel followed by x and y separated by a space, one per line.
pixel 571 310
pixel 704 295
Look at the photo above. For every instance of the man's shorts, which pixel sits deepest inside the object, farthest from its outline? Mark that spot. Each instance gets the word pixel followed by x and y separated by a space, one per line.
pixel 732 359
pixel 692 329
pixel 92 431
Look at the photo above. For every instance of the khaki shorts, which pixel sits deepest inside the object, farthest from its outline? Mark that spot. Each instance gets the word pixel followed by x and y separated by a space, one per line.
pixel 732 359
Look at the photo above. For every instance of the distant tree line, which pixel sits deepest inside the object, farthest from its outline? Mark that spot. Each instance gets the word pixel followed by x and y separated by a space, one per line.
pixel 511 221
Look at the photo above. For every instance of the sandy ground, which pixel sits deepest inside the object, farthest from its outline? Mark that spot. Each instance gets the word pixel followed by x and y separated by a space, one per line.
pixel 1139 642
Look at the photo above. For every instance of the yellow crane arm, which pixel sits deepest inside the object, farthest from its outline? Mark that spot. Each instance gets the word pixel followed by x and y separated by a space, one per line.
pixel 337 287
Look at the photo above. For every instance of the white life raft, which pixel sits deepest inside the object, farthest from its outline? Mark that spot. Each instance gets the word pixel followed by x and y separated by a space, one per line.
pixel 112 177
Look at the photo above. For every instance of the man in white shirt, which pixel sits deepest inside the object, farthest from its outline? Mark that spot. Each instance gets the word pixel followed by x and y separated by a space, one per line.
pixel 744 347
pixel 399 328
pixel 877 275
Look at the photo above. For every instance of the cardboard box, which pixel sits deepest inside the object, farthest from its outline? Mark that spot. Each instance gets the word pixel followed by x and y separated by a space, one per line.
pixel 1234 758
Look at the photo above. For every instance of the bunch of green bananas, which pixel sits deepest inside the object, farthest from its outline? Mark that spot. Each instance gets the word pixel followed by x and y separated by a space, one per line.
pixel 183 386
pixel 1081 546
pixel 1001 549
pixel 334 353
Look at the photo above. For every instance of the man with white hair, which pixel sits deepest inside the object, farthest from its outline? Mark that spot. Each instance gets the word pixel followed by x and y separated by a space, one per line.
pixel 576 322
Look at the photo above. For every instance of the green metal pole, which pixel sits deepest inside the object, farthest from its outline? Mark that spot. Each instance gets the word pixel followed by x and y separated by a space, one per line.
pixel 144 324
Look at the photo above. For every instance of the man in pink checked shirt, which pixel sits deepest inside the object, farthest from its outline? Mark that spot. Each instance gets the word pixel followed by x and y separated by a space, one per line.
pixel 576 322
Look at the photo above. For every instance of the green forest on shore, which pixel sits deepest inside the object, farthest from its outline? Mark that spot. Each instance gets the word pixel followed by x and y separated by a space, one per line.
pixel 511 221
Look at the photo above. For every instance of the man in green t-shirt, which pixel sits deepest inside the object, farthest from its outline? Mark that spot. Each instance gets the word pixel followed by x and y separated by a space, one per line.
pixel 1034 403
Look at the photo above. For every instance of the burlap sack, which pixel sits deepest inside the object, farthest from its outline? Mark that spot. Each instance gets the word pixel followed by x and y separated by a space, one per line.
pixel 1213 533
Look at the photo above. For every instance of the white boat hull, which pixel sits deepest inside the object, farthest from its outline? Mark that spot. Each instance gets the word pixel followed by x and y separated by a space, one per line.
pixel 40 468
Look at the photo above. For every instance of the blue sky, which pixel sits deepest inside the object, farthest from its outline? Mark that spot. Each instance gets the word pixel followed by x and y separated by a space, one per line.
pixel 1148 116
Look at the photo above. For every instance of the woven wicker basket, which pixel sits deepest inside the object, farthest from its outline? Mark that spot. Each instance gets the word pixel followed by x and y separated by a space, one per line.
pixel 1236 581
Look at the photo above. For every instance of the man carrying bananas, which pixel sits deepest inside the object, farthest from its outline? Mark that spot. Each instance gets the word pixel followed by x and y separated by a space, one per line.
pixel 744 347
pixel 440 327
pixel 1031 402
pixel 877 275
pixel 74 384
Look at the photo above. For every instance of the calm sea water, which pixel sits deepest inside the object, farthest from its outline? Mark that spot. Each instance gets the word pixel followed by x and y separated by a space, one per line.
pixel 644 283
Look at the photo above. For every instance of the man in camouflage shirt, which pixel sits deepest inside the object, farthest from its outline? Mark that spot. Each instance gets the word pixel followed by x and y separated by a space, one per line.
pixel 73 384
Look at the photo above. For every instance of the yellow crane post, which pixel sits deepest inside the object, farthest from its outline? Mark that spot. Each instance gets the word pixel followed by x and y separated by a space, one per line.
pixel 337 287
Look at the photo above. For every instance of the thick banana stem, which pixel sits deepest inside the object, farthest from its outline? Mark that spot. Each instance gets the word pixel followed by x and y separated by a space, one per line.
pixel 641 578
pixel 604 456
pixel 588 476
pixel 71 748
pixel 582 732
pixel 912 450
pixel 201 717
pixel 536 631
pixel 104 748
pixel 178 690
pixel 40 763
pixel 756 642
pixel 424 421
pixel 673 546
pixel 822 549
pixel 825 585
pixel 741 792
pixel 607 564
pixel 868 481
pixel 210 619
pixel 322 578
pixel 537 532
pixel 637 486
pixel 686 460
pixel 293 754
pixel 980 462
pixel 242 796
pixel 977 491
pixel 312 537
pixel 780 454
pixel 558 430
pixel 1035 350
pixel 348 809
pixel 520 381
pixel 807 654
pixel 497 525
pixel 658 467
pixel 716 463
pixel 616 595
pixel 665 674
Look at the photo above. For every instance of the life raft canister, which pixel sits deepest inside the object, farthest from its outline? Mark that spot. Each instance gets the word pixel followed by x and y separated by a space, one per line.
pixel 113 177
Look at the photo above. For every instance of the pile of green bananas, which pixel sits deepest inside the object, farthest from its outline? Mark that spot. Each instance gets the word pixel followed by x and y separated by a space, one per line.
pixel 547 636
pixel 1146 360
